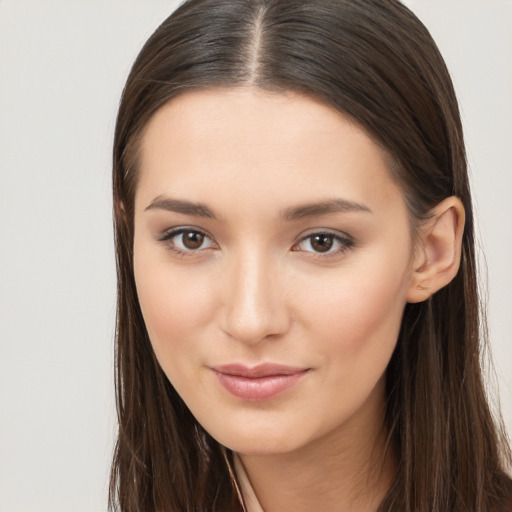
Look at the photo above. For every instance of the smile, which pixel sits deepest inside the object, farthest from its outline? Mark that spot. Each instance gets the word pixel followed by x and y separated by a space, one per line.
pixel 258 383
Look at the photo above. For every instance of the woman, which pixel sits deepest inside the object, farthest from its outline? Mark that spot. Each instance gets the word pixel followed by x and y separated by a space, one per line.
pixel 298 319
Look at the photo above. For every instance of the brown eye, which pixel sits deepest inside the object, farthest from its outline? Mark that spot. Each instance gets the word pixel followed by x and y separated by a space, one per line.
pixel 322 242
pixel 193 239
pixel 187 240
pixel 328 244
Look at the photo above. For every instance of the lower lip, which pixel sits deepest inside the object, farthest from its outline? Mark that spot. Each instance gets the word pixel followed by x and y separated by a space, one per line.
pixel 258 389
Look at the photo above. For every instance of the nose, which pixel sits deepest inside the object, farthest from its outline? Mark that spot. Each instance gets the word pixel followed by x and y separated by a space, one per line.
pixel 254 301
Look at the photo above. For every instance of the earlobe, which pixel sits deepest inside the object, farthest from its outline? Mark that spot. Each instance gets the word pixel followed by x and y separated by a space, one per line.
pixel 439 250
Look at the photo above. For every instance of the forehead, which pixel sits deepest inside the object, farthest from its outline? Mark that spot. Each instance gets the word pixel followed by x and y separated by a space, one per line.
pixel 272 148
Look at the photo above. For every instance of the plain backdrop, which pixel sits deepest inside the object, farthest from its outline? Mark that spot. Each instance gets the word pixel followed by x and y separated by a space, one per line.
pixel 62 69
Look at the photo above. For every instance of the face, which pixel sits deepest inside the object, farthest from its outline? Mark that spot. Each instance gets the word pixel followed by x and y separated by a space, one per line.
pixel 272 259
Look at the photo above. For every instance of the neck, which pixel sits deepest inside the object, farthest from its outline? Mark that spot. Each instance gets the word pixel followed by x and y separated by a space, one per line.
pixel 347 470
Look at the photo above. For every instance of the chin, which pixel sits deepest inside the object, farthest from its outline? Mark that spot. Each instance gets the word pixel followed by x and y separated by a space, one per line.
pixel 261 446
pixel 259 443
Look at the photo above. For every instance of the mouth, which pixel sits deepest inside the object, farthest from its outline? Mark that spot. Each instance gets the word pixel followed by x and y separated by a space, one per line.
pixel 258 383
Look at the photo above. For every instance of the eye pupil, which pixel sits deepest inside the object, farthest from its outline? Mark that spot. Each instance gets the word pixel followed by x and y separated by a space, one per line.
pixel 322 243
pixel 192 239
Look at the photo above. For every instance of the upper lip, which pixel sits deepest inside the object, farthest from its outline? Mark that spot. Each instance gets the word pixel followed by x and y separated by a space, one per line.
pixel 258 371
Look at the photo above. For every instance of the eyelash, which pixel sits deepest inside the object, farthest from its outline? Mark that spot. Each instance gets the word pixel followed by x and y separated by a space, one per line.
pixel 168 237
pixel 344 242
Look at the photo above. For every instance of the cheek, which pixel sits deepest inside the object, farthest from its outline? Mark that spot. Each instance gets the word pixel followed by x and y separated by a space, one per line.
pixel 361 314
pixel 353 329
pixel 175 304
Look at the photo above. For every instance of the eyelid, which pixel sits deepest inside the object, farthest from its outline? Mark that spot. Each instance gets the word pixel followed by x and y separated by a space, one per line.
pixel 169 234
pixel 346 242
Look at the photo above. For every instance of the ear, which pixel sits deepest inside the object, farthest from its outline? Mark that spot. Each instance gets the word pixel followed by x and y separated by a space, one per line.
pixel 438 251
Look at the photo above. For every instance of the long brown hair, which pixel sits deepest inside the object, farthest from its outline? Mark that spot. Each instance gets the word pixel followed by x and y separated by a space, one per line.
pixel 374 61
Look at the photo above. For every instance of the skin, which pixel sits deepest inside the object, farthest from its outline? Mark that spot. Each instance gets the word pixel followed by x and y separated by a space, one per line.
pixel 257 289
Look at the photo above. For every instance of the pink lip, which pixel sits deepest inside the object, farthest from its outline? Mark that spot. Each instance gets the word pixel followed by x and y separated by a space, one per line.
pixel 257 383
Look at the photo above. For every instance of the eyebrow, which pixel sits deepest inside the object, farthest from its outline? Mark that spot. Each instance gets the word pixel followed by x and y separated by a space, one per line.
pixel 315 209
pixel 323 208
pixel 181 206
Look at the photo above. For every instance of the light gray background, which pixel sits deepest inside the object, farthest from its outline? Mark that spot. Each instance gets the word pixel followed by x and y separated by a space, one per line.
pixel 62 68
